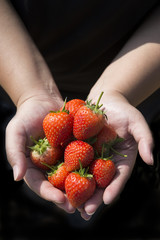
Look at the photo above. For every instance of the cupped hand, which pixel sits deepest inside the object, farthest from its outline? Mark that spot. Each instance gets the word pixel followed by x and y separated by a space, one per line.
pixel 26 123
pixel 130 125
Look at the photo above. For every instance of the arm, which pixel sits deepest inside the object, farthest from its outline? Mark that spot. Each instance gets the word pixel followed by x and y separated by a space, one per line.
pixel 135 72
pixel 127 81
pixel 22 68
pixel 26 78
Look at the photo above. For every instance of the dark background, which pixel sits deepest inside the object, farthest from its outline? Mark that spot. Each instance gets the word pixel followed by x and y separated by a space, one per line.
pixel 135 215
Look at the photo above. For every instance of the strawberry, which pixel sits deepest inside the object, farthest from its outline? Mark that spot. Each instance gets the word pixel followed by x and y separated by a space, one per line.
pixel 42 152
pixel 79 187
pixel 57 175
pixel 73 105
pixel 58 127
pixel 107 137
pixel 88 120
pixel 103 170
pixel 75 151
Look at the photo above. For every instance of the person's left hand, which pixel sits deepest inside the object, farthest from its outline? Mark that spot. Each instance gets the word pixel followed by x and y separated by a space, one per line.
pixel 130 125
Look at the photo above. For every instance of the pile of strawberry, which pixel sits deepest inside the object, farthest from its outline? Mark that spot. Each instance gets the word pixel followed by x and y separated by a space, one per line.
pixel 76 149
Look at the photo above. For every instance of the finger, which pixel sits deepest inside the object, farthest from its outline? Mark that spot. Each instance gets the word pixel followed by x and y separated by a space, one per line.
pixel 66 206
pixel 36 181
pixel 139 128
pixel 94 202
pixel 83 213
pixel 15 149
pixel 145 151
pixel 85 216
pixel 90 207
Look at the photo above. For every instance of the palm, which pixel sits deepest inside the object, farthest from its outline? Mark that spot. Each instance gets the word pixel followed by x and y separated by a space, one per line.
pixel 130 125
pixel 27 123
pixel 119 118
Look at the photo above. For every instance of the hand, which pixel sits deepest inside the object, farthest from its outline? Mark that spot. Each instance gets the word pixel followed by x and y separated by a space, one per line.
pixel 130 125
pixel 28 122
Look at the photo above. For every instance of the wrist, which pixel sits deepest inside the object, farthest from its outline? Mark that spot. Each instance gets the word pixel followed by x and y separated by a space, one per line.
pixel 110 95
pixel 41 92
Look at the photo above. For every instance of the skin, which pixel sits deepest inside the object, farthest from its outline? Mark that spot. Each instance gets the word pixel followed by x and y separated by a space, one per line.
pixel 126 82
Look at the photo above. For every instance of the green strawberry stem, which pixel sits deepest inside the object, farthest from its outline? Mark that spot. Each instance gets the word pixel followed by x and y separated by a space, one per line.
pixel 97 104
pixel 109 146
pixel 53 168
pixel 33 140
pixel 83 172
pixel 95 108
pixel 118 153
pixel 63 108
pixel 64 105
pixel 49 166
pixel 102 154
pixel 102 151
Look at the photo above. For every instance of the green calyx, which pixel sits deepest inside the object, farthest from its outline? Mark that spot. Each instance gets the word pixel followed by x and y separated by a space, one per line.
pixel 40 146
pixel 83 172
pixel 95 107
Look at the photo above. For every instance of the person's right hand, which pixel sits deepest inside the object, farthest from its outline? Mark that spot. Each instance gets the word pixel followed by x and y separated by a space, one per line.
pixel 26 123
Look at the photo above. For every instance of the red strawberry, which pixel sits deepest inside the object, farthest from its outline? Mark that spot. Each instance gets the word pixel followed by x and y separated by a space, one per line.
pixel 73 105
pixel 107 137
pixel 58 175
pixel 79 187
pixel 88 121
pixel 103 171
pixel 58 127
pixel 42 152
pixel 75 151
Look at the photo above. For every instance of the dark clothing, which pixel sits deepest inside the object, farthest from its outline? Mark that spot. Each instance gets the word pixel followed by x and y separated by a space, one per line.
pixel 78 39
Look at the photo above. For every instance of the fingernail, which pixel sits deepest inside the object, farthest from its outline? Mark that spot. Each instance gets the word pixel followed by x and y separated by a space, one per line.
pixel 152 159
pixel 90 213
pixel 86 216
pixel 15 173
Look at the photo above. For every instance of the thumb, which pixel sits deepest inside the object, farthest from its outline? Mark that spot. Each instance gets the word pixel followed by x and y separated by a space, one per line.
pixel 15 148
pixel 143 136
